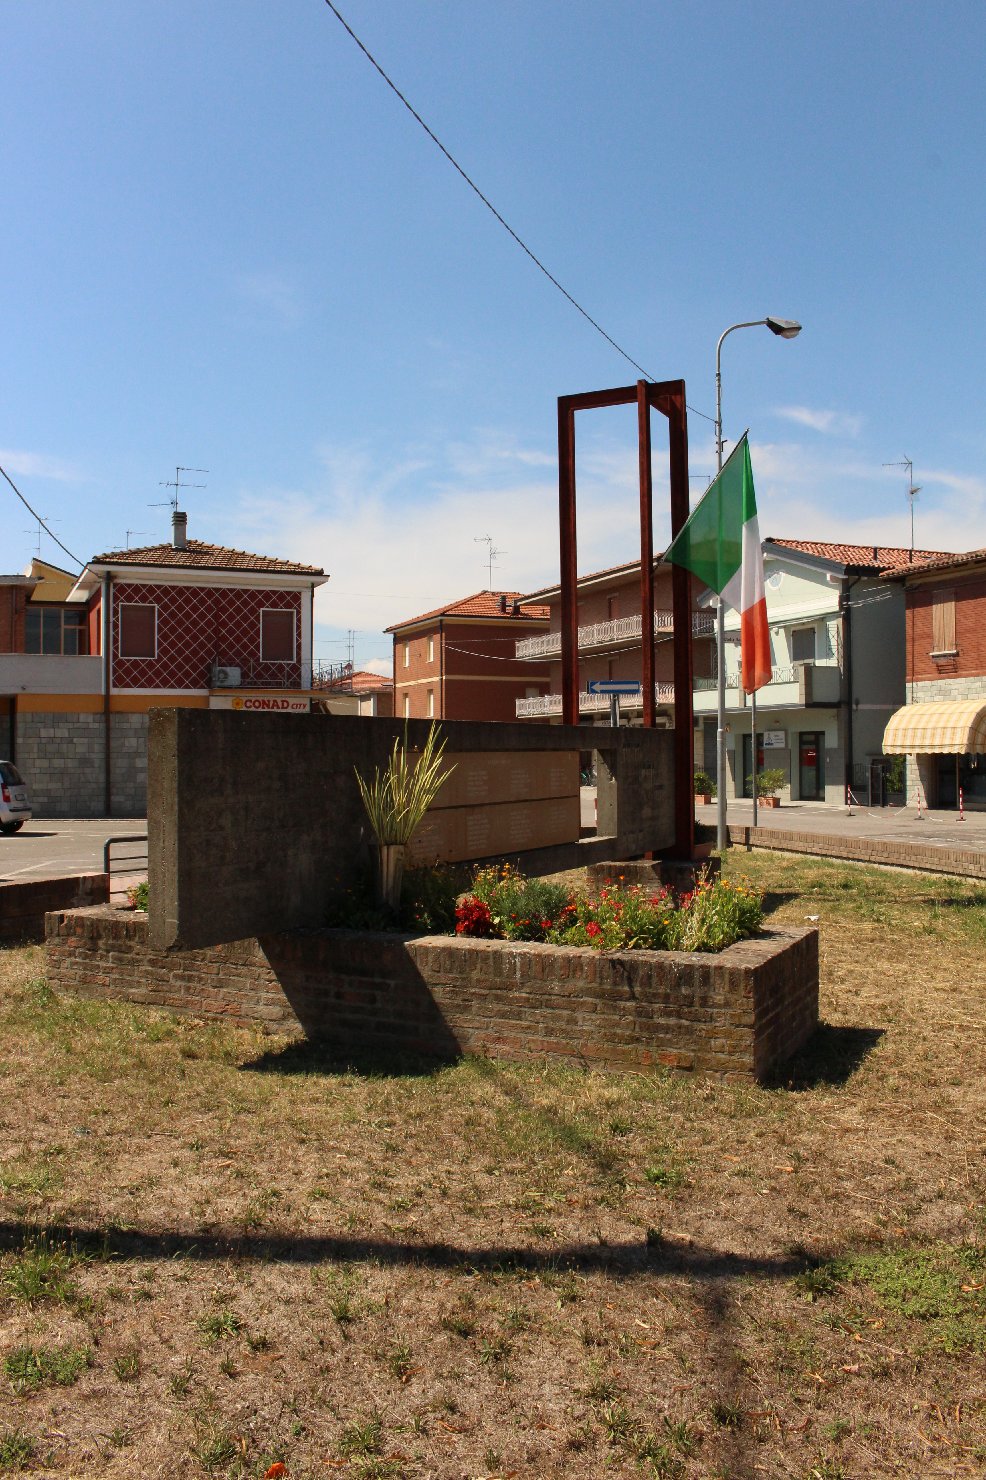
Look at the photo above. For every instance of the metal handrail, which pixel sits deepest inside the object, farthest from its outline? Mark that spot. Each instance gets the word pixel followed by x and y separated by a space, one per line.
pixel 125 864
pixel 617 630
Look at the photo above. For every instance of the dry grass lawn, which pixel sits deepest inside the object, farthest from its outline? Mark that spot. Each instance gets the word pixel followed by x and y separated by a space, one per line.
pixel 221 1253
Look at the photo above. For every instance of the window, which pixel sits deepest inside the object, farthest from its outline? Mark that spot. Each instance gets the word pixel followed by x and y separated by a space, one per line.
pixel 431 703
pixel 431 650
pixel 138 630
pixel 407 654
pixel 54 629
pixel 277 630
pixel 943 624
pixel 803 645
pixel 407 706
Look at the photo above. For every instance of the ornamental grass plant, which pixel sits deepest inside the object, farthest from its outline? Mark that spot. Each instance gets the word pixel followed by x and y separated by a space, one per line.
pixel 400 794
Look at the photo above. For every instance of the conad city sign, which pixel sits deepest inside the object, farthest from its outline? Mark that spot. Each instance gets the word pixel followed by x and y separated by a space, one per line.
pixel 261 703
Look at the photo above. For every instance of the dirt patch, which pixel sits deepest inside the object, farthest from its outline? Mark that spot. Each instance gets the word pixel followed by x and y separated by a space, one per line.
pixel 223 1253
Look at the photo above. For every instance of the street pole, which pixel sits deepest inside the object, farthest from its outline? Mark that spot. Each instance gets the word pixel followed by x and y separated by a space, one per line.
pixel 785 329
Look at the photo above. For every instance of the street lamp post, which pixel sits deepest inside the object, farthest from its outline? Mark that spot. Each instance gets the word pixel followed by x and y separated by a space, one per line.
pixel 784 329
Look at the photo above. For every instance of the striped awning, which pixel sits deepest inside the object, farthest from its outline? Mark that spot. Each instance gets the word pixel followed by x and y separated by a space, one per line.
pixel 946 727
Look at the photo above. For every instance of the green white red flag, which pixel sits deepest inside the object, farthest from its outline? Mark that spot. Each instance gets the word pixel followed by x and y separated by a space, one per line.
pixel 720 544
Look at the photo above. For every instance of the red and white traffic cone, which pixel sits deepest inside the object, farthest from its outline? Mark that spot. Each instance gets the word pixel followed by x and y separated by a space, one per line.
pixel 961 816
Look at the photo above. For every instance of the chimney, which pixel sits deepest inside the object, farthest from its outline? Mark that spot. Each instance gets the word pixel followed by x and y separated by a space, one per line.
pixel 876 554
pixel 179 530
pixel 503 603
pixel 516 609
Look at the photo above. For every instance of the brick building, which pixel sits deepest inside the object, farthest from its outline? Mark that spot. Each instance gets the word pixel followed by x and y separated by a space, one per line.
pixel 610 643
pixel 942 727
pixel 186 623
pixel 460 660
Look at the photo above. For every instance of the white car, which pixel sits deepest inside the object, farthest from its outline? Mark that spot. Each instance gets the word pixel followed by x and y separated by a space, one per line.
pixel 15 805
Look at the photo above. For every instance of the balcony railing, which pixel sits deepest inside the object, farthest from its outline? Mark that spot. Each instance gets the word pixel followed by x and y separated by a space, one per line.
pixel 600 634
pixel 549 705
pixel 777 675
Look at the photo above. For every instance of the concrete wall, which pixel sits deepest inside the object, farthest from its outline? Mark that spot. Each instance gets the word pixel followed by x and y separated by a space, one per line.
pixel 734 1016
pixel 255 820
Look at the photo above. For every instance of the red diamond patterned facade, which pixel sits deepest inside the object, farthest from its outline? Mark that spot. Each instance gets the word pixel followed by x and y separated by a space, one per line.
pixel 199 627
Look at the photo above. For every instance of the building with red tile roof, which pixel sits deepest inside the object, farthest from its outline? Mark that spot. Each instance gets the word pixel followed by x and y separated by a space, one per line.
pixel 459 660
pixel 941 726
pixel 185 624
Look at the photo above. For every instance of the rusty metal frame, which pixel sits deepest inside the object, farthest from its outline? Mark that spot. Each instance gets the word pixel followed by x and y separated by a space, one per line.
pixel 668 397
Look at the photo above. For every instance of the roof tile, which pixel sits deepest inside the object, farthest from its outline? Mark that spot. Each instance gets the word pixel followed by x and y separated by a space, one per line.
pixel 481 604
pixel 197 555
pixel 874 557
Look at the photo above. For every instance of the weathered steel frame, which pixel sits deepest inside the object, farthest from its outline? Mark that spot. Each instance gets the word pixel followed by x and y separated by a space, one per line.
pixel 668 397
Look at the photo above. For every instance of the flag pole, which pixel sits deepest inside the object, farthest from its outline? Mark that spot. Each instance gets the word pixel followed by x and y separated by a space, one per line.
pixel 753 704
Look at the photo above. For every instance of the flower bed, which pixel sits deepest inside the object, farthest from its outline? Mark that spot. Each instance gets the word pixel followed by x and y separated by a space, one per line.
pixel 504 905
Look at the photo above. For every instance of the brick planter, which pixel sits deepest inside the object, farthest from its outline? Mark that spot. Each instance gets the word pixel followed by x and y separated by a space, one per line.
pixel 735 1015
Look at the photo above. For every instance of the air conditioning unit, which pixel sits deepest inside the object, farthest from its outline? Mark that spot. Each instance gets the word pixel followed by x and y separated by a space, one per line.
pixel 226 678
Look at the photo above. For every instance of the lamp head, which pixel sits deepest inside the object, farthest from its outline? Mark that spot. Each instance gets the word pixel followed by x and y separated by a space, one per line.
pixel 786 328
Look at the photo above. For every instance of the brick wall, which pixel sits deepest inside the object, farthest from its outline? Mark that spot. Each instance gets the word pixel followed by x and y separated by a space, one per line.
pixel 970 629
pixel 963 862
pixel 733 1016
pixel 23 907
pixel 13 600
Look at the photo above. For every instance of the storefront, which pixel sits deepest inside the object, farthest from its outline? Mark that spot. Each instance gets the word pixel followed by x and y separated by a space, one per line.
pixel 946 742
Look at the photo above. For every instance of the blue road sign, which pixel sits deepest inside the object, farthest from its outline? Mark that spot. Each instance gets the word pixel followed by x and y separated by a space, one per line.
pixel 618 686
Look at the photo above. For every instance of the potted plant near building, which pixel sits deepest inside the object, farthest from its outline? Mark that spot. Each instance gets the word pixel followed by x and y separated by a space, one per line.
pixel 769 783
pixel 705 788
pixel 396 800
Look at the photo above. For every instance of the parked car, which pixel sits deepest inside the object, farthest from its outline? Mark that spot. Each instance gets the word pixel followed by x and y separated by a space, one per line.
pixel 15 804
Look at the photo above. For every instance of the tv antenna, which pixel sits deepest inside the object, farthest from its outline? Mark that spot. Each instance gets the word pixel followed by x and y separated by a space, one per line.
pixel 912 490
pixel 176 484
pixel 142 532
pixel 493 552
pixel 42 522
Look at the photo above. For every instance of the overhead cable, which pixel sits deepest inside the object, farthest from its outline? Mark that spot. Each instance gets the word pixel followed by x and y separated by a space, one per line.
pixel 492 208
pixel 37 516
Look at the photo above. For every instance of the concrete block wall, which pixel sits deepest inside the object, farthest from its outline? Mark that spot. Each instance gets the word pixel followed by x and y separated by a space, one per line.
pixel 61 756
pixel 735 1016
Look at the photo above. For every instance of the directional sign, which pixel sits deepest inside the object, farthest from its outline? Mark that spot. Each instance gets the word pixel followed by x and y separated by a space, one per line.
pixel 619 686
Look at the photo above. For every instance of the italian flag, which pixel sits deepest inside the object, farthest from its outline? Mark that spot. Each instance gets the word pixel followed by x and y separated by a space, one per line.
pixel 720 544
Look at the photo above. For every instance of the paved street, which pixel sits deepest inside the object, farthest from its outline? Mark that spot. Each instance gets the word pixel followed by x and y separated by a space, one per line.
pixel 50 847
pixel 897 824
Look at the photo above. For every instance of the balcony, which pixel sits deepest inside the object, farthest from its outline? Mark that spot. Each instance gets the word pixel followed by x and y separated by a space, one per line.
pixel 50 673
pixel 602 634
pixel 795 686
pixel 549 706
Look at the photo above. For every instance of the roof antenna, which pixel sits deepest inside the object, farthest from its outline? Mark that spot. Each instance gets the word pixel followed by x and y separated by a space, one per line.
pixel 487 539
pixel 41 525
pixel 912 491
pixel 176 483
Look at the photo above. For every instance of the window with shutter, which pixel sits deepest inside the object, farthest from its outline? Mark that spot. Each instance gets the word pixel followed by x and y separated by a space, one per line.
pixel 277 636
pixel 943 624
pixel 138 630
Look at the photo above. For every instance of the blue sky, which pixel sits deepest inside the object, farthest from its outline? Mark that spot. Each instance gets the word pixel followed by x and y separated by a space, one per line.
pixel 227 245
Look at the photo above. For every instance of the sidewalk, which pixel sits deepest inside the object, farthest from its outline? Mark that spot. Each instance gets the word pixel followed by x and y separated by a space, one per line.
pixel 936 841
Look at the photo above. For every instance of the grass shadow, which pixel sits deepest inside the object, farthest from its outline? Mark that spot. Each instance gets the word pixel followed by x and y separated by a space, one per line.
pixel 774 898
pixel 321 1056
pixel 831 1056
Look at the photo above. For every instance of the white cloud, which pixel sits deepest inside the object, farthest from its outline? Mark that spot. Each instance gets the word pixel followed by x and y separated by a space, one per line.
pixel 383 666
pixel 38 465
pixel 831 423
pixel 398 535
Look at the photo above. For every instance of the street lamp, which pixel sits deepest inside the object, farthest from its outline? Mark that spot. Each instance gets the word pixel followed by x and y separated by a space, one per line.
pixel 784 329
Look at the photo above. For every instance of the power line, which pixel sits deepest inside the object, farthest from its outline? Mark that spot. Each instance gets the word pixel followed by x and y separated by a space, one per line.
pixel 35 515
pixel 492 208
